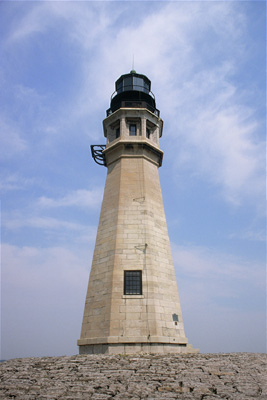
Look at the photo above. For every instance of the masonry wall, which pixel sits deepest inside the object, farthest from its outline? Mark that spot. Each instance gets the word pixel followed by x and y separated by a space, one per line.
pixel 132 235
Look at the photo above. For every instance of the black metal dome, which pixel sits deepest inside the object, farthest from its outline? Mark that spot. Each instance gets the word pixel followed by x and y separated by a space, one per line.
pixel 133 91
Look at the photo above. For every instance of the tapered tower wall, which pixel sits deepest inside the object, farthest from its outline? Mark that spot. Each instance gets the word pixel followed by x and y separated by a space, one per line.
pixel 132 236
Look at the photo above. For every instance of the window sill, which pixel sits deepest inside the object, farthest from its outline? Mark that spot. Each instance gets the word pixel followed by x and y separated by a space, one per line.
pixel 133 296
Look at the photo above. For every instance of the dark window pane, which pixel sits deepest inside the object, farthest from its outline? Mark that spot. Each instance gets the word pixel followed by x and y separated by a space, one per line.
pixel 147 132
pixel 127 83
pixel 146 87
pixel 119 87
pixel 132 130
pixel 117 133
pixel 132 282
pixel 138 84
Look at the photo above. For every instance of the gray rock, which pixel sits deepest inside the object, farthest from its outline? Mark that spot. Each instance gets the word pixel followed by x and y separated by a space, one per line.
pixel 235 376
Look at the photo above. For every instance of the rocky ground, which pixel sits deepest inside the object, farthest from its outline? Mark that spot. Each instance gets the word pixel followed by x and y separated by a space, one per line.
pixel 237 376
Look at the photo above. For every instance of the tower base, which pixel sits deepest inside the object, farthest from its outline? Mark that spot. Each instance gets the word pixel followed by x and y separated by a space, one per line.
pixel 137 348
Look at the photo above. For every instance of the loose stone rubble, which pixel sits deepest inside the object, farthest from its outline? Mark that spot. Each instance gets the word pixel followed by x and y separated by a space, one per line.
pixel 235 376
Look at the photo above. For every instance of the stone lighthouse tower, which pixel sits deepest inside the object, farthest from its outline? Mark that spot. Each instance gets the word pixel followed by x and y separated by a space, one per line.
pixel 132 304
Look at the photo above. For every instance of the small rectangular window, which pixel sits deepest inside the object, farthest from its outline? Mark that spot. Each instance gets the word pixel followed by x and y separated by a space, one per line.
pixel 132 130
pixel 147 132
pixel 132 282
pixel 175 317
pixel 117 132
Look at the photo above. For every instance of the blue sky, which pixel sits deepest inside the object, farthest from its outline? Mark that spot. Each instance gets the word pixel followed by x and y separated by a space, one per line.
pixel 58 65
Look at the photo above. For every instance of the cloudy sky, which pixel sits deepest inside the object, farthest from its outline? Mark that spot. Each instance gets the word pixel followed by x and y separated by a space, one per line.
pixel 58 65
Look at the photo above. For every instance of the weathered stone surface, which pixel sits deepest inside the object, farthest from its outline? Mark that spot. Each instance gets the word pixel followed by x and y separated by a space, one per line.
pixel 132 236
pixel 235 376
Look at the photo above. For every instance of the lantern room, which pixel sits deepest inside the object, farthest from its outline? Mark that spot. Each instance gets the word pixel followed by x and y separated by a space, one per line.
pixel 133 91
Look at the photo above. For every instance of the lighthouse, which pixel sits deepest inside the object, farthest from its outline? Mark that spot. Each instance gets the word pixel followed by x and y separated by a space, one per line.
pixel 132 303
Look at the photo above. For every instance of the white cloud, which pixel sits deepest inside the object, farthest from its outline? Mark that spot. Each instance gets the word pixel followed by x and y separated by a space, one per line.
pixel 79 198
pixel 22 221
pixel 53 227
pixel 32 23
pixel 78 25
pixel 222 298
pixel 14 182
pixel 33 267
pixel 82 17
pixel 11 141
pixel 220 140
pixel 61 229
pixel 43 291
pixel 217 273
pixel 250 234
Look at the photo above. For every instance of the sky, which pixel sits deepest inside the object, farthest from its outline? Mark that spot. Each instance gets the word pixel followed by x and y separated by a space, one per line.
pixel 58 65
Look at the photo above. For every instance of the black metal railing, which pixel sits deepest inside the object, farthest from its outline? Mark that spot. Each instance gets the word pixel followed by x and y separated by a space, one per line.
pixel 97 153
